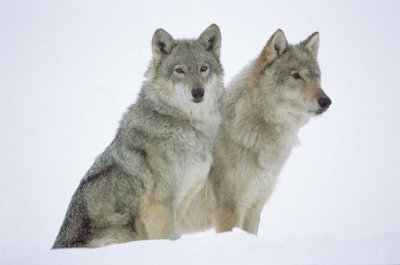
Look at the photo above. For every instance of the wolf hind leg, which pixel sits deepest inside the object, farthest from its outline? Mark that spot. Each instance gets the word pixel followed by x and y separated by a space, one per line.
pixel 76 228
pixel 112 235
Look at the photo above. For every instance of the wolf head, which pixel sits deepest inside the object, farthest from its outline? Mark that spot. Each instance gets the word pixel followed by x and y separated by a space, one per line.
pixel 186 73
pixel 294 72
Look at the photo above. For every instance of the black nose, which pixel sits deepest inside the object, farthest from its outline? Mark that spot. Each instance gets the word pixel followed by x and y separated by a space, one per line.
pixel 324 102
pixel 198 94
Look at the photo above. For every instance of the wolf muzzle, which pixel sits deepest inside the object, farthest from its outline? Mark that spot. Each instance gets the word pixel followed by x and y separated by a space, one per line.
pixel 197 94
pixel 324 102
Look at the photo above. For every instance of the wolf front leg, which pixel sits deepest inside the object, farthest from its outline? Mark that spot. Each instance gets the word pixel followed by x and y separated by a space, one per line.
pixel 245 218
pixel 231 213
pixel 252 219
pixel 161 221
pixel 242 209
pixel 226 218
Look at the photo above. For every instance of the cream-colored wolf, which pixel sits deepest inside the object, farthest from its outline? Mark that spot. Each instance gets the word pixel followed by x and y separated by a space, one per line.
pixel 264 107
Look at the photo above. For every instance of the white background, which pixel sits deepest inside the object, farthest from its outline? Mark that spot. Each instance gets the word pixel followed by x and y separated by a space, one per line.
pixel 69 70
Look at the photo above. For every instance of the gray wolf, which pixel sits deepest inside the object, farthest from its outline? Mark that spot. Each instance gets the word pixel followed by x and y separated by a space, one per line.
pixel 264 107
pixel 162 152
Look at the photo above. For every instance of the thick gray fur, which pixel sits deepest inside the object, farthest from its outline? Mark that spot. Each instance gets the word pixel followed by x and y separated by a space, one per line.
pixel 161 155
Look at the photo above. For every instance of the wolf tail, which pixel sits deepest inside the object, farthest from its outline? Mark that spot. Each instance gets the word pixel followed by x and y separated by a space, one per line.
pixel 76 229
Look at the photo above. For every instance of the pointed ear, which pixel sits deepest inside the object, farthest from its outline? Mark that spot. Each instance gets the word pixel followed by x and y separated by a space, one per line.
pixel 162 44
pixel 312 43
pixel 211 39
pixel 275 47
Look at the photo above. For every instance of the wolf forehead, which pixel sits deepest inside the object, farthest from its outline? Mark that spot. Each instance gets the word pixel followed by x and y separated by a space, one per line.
pixel 191 53
pixel 298 58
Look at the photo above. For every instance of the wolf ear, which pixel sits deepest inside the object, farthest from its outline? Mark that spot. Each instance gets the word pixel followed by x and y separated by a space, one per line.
pixel 275 47
pixel 312 43
pixel 211 39
pixel 162 44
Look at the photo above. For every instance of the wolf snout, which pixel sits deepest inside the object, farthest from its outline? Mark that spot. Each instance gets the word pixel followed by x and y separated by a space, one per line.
pixel 324 102
pixel 198 94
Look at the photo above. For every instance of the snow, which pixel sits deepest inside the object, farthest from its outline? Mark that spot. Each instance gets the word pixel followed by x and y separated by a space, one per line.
pixel 69 69
pixel 235 247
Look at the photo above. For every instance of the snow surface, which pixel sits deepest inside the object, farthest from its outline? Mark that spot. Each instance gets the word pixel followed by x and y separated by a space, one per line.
pixel 69 69
pixel 235 247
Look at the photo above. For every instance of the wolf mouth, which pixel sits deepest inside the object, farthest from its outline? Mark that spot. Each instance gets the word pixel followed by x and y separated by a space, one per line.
pixel 197 100
pixel 318 112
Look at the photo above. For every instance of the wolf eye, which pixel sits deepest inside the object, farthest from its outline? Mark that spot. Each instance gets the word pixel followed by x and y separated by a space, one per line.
pixel 203 68
pixel 296 75
pixel 179 70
